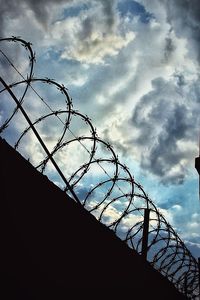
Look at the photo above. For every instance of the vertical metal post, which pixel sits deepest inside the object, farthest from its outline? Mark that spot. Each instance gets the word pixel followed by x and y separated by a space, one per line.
pixel 197 166
pixel 199 275
pixel 40 141
pixel 145 233
pixel 185 286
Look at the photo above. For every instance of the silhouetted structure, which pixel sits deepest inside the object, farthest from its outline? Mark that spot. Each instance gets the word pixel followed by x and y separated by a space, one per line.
pixel 197 164
pixel 137 221
pixel 51 243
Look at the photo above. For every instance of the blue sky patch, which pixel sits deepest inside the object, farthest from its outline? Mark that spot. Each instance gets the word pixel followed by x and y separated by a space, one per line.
pixel 74 11
pixel 136 9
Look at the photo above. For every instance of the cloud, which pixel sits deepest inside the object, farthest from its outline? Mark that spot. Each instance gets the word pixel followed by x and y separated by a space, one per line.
pixel 169 48
pixel 121 65
pixel 89 35
pixel 183 17
pixel 41 9
pixel 163 121
pixel 193 247
pixel 96 47
pixel 94 33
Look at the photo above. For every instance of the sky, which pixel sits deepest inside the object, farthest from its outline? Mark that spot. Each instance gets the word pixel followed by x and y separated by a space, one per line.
pixel 133 68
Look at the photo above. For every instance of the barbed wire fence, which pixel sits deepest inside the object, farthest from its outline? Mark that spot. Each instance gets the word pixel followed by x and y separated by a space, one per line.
pixel 63 144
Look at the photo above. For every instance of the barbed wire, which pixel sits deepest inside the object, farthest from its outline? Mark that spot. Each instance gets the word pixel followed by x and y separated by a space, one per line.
pixel 122 212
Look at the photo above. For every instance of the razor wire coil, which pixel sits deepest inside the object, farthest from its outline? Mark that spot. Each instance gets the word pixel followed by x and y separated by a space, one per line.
pixel 122 212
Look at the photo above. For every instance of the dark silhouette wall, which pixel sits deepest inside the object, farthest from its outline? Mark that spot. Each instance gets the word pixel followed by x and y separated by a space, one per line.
pixel 52 246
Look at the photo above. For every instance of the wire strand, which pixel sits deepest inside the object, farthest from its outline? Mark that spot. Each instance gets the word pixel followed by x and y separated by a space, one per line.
pixel 28 81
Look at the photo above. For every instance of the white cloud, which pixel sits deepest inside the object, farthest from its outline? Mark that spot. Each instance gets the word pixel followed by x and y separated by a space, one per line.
pixel 88 37
pixel 94 49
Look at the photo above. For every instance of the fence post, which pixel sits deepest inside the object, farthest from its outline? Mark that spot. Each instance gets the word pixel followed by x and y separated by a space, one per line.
pixel 145 233
pixel 40 140
pixel 185 286
pixel 199 275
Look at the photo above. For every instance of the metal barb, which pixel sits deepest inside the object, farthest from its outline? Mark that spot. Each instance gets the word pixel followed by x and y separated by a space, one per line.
pixel 116 200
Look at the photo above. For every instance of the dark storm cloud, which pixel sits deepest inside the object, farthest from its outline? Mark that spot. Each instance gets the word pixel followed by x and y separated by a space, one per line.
pixel 163 119
pixel 180 79
pixel 14 9
pixel 8 9
pixel 108 19
pixel 41 9
pixel 184 17
pixel 93 35
pixel 165 154
pixel 109 12
pixel 169 48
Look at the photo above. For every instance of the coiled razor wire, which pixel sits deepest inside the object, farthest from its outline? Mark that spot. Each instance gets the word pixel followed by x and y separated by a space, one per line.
pixel 89 159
